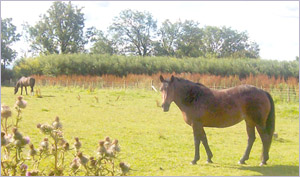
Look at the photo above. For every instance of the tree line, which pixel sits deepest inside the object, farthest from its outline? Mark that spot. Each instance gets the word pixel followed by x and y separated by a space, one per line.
pixel 61 30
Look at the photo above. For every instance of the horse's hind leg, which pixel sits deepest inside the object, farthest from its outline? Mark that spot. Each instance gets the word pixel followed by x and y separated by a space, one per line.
pixel 266 142
pixel 26 90
pixel 251 139
pixel 32 92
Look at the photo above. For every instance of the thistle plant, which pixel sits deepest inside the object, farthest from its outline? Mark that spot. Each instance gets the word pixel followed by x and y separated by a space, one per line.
pixel 58 146
pixel 20 104
pixel 5 114
pixel 53 146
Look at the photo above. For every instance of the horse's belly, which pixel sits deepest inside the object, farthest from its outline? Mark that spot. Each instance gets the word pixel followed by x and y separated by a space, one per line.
pixel 221 121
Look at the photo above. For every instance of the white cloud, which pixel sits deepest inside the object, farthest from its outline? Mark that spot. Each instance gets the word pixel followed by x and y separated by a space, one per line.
pixel 274 25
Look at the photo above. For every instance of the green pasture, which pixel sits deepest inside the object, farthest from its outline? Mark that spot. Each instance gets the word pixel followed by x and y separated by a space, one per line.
pixel 153 142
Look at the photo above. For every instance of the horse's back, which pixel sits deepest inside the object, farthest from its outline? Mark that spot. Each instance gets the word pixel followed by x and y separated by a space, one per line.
pixel 27 81
pixel 231 106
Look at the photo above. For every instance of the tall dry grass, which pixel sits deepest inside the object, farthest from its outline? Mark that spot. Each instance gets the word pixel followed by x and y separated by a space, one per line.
pixel 262 81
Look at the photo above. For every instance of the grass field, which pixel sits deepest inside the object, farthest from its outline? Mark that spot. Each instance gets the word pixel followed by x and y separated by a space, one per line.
pixel 154 142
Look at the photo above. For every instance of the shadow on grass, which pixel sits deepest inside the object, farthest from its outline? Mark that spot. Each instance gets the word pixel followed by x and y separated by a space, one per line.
pixel 48 96
pixel 276 170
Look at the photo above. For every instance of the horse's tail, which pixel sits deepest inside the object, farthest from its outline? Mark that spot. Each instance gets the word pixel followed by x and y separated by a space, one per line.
pixel 270 125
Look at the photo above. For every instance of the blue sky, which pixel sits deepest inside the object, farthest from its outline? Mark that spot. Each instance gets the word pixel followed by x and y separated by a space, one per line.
pixel 274 25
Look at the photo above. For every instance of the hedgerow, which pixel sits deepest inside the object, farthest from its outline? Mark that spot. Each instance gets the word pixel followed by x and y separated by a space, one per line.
pixel 92 64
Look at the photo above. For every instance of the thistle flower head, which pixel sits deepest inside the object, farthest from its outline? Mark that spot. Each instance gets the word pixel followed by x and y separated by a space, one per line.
pixel 101 149
pixel 56 124
pixel 20 98
pixel 124 167
pixel 66 146
pixel 115 142
pixel 21 103
pixel 16 134
pixel 32 151
pixel 79 154
pixel 32 173
pixel 114 148
pixel 107 142
pixel 92 162
pixel 3 140
pixel 77 143
pixel 45 129
pixel 25 141
pixel 45 144
pixel 83 159
pixel 5 111
pixel 75 164
pixel 107 139
pixel 14 129
pixel 101 143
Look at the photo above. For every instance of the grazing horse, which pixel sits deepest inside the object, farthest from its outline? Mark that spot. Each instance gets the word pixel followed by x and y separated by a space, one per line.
pixel 25 81
pixel 204 107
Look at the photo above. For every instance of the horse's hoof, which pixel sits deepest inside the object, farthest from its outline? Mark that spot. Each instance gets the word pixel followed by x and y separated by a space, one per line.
pixel 262 164
pixel 242 163
pixel 193 162
pixel 209 161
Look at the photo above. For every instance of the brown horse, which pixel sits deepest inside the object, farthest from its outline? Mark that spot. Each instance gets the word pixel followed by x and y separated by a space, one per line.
pixel 204 107
pixel 25 81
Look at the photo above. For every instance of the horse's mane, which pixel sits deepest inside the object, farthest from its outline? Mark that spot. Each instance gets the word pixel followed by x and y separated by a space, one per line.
pixel 192 91
pixel 189 82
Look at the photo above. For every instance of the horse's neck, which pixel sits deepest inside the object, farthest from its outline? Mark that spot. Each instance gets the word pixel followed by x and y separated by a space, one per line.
pixel 180 95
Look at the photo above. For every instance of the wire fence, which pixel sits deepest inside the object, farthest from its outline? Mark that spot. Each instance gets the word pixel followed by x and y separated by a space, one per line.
pixel 284 93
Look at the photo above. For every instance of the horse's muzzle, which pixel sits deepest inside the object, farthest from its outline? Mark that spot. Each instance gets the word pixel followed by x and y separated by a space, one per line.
pixel 166 107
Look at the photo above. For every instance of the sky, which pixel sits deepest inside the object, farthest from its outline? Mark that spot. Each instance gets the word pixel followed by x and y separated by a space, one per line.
pixel 274 25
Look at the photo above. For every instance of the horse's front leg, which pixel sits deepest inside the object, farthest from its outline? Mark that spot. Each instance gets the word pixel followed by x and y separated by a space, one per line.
pixel 21 90
pixel 200 135
pixel 26 90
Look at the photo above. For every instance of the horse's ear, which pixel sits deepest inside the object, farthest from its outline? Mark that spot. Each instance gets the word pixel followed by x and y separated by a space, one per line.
pixel 161 78
pixel 172 78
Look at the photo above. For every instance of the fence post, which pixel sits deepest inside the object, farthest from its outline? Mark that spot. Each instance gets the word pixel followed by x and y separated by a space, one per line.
pixel 151 83
pixel 288 94
pixel 124 84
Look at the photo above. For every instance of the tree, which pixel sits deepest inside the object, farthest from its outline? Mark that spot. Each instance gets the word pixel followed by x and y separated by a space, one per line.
pixel 8 37
pixel 225 42
pixel 189 42
pixel 60 30
pixel 133 32
pixel 169 33
pixel 101 43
